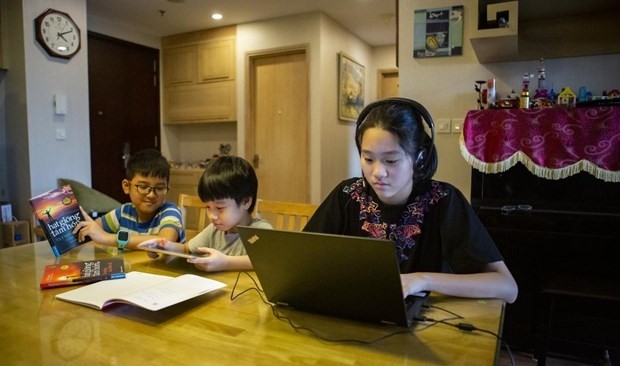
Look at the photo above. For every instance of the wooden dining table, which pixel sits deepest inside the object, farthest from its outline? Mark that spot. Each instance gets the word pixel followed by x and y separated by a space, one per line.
pixel 226 327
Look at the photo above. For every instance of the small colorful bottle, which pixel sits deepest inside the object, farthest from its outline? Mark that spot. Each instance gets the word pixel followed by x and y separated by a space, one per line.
pixel 524 101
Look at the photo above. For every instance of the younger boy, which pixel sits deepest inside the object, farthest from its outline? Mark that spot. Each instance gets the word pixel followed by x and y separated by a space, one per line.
pixel 147 216
pixel 228 187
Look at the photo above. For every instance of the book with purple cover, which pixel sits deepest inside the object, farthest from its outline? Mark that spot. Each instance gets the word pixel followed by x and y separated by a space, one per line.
pixel 58 212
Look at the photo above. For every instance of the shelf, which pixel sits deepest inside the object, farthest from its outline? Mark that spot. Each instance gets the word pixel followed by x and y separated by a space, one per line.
pixel 551 29
pixel 14 233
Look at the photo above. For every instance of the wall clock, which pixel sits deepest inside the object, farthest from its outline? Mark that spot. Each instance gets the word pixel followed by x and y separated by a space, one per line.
pixel 57 33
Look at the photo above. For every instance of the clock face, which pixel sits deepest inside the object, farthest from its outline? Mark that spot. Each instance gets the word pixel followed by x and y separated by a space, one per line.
pixel 57 33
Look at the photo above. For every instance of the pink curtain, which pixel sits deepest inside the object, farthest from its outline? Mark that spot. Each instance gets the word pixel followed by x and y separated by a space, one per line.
pixel 552 143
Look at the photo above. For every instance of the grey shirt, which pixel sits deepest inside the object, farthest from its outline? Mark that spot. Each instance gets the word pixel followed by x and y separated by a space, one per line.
pixel 227 243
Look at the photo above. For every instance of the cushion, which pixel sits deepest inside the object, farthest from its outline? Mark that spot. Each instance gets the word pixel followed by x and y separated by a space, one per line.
pixel 90 199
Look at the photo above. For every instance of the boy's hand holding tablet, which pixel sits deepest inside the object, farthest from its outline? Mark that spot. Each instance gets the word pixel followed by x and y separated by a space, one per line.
pixel 155 247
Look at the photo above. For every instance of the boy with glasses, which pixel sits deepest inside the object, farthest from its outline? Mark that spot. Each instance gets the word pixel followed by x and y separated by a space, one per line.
pixel 147 216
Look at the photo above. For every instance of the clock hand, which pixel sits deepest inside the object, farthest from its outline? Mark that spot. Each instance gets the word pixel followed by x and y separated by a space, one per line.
pixel 61 35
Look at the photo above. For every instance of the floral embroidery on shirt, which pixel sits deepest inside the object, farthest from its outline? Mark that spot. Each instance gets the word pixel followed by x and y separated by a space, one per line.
pixel 404 233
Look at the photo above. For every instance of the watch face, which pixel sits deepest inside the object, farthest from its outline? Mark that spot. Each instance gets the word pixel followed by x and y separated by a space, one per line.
pixel 123 235
pixel 57 33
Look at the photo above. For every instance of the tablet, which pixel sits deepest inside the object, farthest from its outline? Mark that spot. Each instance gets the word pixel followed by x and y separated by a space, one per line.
pixel 168 252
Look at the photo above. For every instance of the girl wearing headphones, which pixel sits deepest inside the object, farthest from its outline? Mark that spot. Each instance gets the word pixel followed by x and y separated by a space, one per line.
pixel 441 244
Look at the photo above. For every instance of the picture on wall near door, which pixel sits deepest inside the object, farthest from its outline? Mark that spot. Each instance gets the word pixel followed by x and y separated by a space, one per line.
pixel 350 88
pixel 438 32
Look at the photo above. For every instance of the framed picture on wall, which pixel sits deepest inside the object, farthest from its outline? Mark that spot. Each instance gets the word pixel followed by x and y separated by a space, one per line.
pixel 438 32
pixel 350 88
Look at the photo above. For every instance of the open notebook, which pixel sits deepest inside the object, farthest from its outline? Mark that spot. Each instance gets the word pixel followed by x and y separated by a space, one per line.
pixel 342 276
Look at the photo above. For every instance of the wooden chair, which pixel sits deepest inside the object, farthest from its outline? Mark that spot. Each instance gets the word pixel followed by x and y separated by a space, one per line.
pixel 37 232
pixel 289 216
pixel 194 213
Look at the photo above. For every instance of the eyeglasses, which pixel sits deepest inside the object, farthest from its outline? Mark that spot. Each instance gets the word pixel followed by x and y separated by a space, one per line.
pixel 146 190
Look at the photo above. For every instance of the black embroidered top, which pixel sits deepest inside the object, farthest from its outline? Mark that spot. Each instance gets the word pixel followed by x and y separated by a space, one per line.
pixel 435 231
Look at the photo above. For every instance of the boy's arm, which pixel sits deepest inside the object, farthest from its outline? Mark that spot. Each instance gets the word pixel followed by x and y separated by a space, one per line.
pixel 163 244
pixel 93 229
pixel 167 233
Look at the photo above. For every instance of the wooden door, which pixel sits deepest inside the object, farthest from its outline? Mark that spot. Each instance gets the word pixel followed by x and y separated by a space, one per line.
pixel 124 107
pixel 277 133
pixel 388 84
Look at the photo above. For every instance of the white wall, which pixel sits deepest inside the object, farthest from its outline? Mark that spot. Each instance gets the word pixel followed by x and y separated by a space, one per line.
pixel 445 85
pixel 337 150
pixel 331 141
pixel 35 159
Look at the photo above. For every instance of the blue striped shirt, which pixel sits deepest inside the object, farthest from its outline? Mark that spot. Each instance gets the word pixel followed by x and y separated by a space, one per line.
pixel 126 217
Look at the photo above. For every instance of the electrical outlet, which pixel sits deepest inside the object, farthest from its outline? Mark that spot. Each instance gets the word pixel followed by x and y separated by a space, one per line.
pixel 457 125
pixel 443 125
pixel 61 134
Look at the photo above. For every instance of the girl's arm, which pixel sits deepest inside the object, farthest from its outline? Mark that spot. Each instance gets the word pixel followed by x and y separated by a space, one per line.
pixel 494 282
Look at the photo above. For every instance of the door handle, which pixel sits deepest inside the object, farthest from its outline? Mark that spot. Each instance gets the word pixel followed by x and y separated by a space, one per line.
pixel 126 153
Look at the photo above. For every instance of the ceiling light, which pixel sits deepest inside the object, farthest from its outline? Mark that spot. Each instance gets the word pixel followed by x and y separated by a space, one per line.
pixel 216 16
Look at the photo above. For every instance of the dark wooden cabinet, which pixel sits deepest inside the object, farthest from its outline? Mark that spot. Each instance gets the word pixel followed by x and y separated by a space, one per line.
pixel 549 229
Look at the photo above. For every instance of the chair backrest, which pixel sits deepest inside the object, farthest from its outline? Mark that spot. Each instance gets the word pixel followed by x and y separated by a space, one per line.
pixel 194 212
pixel 36 232
pixel 289 216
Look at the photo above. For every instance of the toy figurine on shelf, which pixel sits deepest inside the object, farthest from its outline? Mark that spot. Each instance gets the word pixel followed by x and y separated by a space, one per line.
pixel 542 89
pixel 491 95
pixel 511 101
pixel 478 88
pixel 525 83
pixel 225 149
pixel 542 98
pixel 567 97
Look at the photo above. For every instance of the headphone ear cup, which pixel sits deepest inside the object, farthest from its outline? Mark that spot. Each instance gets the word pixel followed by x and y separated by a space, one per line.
pixel 420 164
pixel 420 159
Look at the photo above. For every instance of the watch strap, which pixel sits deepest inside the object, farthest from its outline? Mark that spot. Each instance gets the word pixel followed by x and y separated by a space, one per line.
pixel 122 238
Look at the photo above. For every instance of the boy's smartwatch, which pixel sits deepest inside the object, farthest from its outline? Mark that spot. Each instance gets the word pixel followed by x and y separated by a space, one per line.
pixel 122 237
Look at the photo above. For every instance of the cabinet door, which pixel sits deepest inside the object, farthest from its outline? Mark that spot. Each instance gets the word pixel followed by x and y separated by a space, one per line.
pixel 208 102
pixel 179 65
pixel 216 60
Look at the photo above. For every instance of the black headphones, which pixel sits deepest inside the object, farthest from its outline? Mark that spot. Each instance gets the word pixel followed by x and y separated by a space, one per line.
pixel 425 151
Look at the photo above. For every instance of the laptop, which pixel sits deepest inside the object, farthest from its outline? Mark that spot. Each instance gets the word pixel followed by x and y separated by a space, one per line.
pixel 341 276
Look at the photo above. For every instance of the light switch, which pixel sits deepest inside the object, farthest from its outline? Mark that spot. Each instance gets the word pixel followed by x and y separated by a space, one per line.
pixel 443 125
pixel 60 104
pixel 457 125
